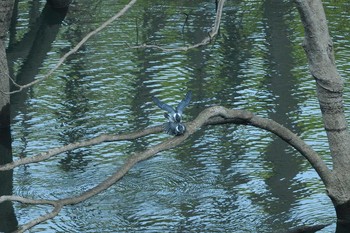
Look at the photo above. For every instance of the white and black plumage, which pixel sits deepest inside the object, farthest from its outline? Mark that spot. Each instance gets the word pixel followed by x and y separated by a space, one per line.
pixel 174 115
pixel 174 128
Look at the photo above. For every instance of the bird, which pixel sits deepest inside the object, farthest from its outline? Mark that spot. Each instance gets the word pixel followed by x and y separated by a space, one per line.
pixel 174 128
pixel 174 115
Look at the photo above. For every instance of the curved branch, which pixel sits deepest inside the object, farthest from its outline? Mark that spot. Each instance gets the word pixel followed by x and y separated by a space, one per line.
pixel 207 40
pixel 76 48
pixel 297 143
pixel 248 118
pixel 56 210
pixel 210 116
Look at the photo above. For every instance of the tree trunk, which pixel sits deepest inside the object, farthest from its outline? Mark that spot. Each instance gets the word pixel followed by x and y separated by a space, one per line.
pixel 5 87
pixel 6 7
pixel 329 85
pixel 8 221
pixel 59 3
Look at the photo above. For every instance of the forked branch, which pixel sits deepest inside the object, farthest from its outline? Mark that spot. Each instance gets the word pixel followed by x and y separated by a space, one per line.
pixel 210 116
pixel 214 31
pixel 76 48
pixel 207 40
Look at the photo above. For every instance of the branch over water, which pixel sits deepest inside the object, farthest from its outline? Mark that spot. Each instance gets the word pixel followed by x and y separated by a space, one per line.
pixel 210 116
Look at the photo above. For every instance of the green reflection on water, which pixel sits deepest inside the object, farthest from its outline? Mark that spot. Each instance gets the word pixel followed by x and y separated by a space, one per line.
pixel 226 178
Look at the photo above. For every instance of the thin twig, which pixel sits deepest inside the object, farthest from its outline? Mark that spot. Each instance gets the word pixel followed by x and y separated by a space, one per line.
pixel 13 82
pixel 207 40
pixel 77 47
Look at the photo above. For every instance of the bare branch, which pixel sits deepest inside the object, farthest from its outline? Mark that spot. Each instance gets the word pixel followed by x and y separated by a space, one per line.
pixel 12 81
pixel 248 118
pixel 56 210
pixel 77 47
pixel 207 40
pixel 26 200
pixel 210 116
pixel 56 204
pixel 100 139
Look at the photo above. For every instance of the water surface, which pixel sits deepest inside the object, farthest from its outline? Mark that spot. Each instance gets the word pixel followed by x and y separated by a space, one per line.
pixel 223 178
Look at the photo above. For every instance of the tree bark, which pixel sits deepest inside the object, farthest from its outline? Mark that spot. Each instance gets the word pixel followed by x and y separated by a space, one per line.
pixel 6 7
pixel 4 87
pixel 8 221
pixel 329 85
pixel 59 3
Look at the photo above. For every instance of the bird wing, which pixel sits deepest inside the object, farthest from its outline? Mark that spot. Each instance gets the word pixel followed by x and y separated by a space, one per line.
pixel 168 128
pixel 163 106
pixel 184 102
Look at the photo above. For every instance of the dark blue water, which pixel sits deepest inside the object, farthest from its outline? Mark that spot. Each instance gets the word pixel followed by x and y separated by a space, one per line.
pixel 222 179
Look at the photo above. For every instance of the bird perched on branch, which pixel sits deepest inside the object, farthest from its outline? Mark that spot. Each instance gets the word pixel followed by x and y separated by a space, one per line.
pixel 174 116
pixel 174 128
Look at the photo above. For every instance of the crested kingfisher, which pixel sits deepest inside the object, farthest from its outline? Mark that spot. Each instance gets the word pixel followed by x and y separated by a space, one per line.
pixel 174 115
pixel 174 126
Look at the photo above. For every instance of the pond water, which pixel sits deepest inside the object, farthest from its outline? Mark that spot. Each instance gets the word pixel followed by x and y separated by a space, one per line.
pixel 223 178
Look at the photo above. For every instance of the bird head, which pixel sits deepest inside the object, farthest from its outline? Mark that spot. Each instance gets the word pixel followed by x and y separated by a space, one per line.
pixel 180 129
